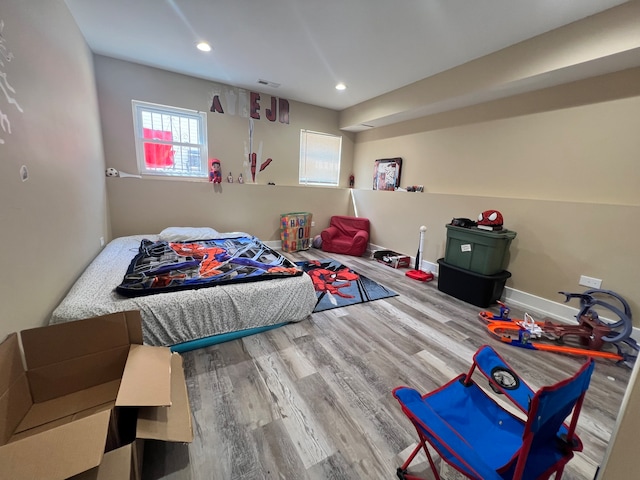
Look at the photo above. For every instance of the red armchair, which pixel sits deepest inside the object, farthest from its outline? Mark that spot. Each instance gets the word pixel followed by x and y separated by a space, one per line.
pixel 347 235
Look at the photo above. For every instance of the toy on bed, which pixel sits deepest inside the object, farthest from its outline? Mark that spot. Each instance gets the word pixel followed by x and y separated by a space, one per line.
pixel 186 319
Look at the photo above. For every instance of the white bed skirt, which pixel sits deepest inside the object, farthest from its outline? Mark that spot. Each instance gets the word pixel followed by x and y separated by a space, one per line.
pixel 176 317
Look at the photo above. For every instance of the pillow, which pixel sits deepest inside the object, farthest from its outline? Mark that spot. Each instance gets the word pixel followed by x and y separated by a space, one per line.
pixel 182 234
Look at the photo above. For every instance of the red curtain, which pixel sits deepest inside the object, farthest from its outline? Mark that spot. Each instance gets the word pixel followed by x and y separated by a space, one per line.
pixel 156 155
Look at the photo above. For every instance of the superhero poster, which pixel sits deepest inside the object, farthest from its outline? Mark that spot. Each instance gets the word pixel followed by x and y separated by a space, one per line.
pixel 386 173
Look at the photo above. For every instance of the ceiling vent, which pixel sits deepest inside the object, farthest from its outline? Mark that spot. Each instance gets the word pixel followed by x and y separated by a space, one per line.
pixel 268 83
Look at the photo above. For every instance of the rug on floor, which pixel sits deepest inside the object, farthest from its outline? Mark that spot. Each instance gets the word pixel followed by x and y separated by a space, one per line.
pixel 339 286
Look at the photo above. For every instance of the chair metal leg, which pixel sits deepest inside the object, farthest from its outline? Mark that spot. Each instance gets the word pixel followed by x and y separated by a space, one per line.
pixel 401 472
pixel 433 465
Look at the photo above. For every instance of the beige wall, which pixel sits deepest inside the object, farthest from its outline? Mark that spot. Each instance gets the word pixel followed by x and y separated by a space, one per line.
pixel 565 179
pixel 51 224
pixel 148 205
pixel 619 460
pixel 254 209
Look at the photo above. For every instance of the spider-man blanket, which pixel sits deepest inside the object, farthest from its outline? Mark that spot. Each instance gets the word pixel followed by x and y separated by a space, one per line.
pixel 169 266
pixel 339 286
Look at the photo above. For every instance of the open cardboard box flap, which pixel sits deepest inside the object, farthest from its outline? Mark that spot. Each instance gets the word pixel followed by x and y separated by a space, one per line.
pixel 170 424
pixel 54 416
pixel 146 380
pixel 56 453
pixel 115 465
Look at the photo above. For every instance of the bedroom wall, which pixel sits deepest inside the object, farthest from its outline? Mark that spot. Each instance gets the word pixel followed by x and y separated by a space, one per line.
pixel 51 223
pixel 150 204
pixel 564 177
pixel 559 162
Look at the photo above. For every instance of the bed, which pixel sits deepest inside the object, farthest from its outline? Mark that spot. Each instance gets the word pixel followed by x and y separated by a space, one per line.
pixel 185 319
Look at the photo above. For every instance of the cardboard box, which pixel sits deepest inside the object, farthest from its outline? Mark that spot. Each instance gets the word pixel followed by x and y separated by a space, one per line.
pixel 69 412
pixel 392 259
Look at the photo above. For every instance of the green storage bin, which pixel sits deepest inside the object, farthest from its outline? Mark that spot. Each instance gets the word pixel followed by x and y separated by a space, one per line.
pixel 479 251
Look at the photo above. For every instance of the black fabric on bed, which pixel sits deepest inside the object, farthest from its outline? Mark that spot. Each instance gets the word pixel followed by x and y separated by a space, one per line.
pixel 163 266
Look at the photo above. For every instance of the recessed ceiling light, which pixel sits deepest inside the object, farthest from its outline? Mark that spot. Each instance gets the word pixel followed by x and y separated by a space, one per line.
pixel 204 47
pixel 341 86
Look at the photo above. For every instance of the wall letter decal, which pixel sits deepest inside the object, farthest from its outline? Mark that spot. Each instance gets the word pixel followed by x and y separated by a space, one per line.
pixel 246 104
pixel 215 105
pixel 272 112
pixel 284 111
pixel 230 98
pixel 243 103
pixel 255 106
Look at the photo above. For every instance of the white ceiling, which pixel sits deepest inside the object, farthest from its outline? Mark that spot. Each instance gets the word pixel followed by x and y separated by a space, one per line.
pixel 307 46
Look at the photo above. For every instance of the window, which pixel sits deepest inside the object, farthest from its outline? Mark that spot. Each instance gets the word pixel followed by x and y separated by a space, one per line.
pixel 319 158
pixel 170 141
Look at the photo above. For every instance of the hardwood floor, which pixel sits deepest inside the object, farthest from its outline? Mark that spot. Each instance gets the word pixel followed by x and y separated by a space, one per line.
pixel 312 400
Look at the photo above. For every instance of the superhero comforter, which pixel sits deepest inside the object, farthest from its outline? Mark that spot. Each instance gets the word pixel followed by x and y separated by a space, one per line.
pixel 162 266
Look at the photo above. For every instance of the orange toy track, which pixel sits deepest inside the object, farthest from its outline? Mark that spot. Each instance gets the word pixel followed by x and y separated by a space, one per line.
pixel 591 333
pixel 501 329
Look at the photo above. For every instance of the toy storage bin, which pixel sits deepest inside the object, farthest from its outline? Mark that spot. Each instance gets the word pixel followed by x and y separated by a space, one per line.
pixel 477 250
pixel 477 289
pixel 295 231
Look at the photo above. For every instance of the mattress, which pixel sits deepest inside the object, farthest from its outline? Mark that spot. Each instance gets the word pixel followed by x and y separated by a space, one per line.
pixel 183 316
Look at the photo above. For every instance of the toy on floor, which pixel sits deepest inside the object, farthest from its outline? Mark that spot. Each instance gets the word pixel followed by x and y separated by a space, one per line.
pixel 417 273
pixel 590 337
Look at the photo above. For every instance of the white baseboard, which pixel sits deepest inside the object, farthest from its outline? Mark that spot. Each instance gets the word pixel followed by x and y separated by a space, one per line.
pixel 526 301
pixel 557 311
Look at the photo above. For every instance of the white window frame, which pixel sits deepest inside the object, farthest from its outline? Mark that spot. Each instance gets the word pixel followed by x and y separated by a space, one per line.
pixel 192 145
pixel 319 160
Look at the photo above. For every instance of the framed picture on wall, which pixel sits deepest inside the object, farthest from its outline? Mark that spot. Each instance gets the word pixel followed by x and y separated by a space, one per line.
pixel 386 173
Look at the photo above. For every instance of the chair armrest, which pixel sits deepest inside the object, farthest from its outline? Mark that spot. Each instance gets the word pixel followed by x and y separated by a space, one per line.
pixel 360 237
pixel 329 233
pixel 487 360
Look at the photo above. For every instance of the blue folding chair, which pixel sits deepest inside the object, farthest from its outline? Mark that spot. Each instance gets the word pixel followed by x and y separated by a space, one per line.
pixel 479 438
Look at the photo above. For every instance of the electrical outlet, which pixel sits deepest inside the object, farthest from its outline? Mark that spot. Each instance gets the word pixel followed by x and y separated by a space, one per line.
pixel 313 224
pixel 590 282
pixel 102 241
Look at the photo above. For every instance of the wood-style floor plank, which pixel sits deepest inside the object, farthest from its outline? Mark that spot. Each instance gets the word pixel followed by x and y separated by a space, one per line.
pixel 312 400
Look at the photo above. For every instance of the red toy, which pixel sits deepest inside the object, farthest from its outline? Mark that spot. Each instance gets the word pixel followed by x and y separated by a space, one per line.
pixel 418 273
pixel 215 171
pixel 490 220
pixel 346 235
pixel 589 337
